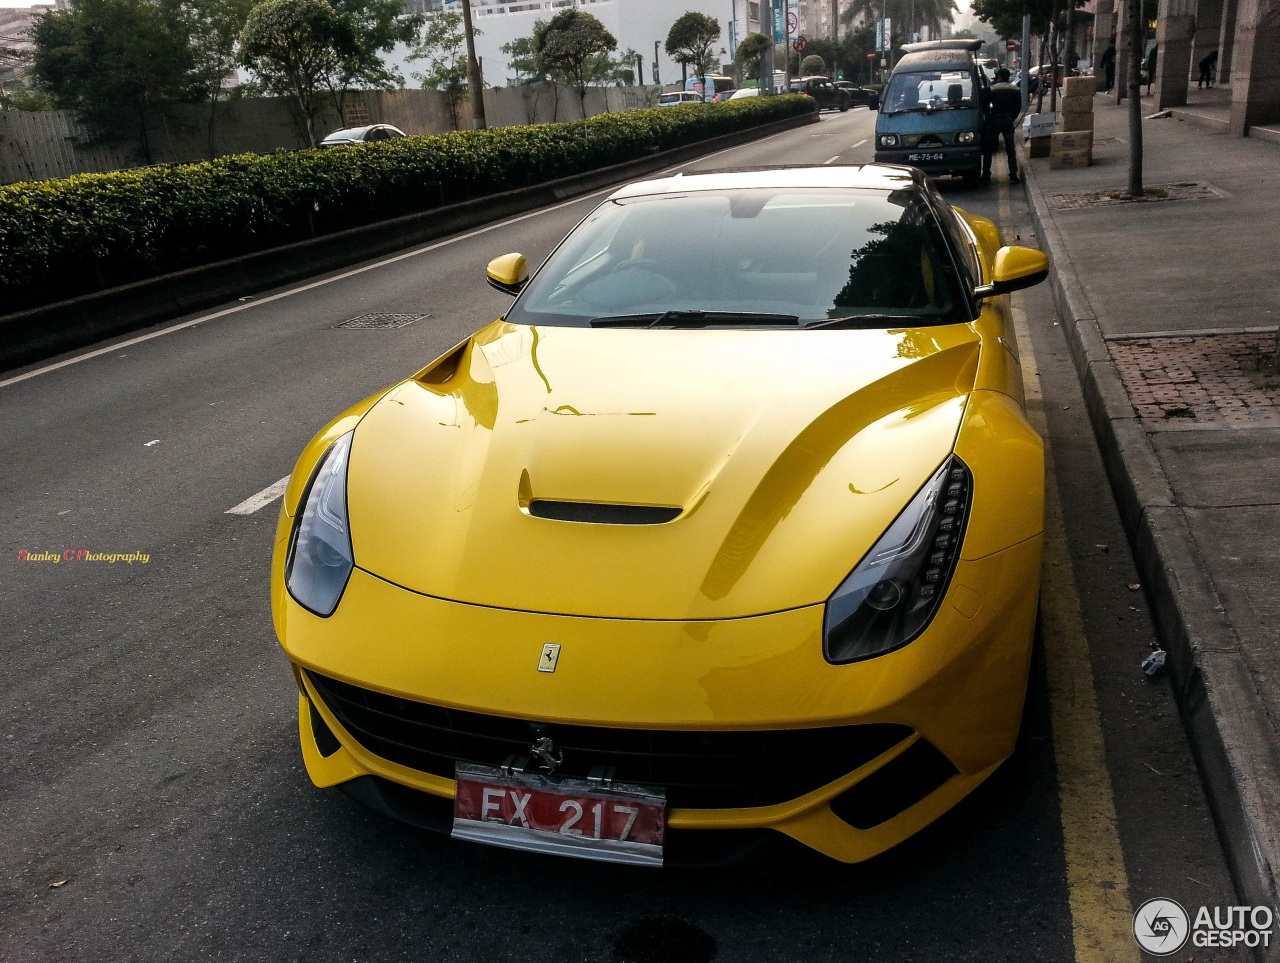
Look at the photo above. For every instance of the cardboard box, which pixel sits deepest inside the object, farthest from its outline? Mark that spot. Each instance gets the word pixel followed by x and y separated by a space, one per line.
pixel 1079 86
pixel 1071 140
pixel 1077 121
pixel 1039 125
pixel 1038 146
pixel 1076 105
pixel 1069 158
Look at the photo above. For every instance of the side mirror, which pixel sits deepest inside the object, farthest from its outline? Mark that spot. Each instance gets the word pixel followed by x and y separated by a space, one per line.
pixel 508 273
pixel 1015 268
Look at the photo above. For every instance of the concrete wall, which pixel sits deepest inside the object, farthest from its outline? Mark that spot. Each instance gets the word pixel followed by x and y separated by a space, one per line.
pixel 52 144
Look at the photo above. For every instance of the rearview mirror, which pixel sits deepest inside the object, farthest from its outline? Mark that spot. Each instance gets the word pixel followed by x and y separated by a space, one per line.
pixel 508 273
pixel 1015 268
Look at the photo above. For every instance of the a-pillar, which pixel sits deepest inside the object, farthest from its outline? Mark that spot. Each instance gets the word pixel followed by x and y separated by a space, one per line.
pixel 1227 40
pixel 1208 32
pixel 1174 30
pixel 1255 67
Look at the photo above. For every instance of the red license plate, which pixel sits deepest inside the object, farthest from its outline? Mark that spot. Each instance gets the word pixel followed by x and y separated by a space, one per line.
pixel 551 814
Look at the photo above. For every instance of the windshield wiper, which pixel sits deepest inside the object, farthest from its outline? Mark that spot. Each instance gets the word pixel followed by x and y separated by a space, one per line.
pixel 692 319
pixel 879 321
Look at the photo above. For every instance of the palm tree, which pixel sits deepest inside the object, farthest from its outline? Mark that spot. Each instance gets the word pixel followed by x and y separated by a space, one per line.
pixel 908 16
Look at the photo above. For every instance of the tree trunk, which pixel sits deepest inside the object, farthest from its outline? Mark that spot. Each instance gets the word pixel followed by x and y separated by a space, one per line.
pixel 1137 33
pixel 143 140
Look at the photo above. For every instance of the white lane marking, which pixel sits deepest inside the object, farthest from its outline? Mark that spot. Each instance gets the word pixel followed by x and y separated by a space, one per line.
pixel 148 444
pixel 258 302
pixel 858 144
pixel 260 500
pixel 831 159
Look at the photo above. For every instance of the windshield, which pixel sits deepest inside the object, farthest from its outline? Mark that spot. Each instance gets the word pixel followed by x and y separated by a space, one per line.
pixel 929 90
pixel 711 258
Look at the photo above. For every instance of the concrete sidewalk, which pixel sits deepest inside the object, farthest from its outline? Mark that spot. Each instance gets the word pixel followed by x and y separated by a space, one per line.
pixel 1170 309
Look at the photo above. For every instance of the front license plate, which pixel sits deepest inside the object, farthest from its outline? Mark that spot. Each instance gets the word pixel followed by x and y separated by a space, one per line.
pixel 924 157
pixel 567 817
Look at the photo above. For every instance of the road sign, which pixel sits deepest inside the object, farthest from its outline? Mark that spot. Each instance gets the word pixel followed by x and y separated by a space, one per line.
pixel 1011 45
pixel 793 21
pixel 800 43
pixel 871 56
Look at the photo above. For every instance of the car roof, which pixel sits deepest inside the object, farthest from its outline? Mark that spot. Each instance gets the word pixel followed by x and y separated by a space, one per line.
pixel 352 131
pixel 935 60
pixel 923 46
pixel 886 177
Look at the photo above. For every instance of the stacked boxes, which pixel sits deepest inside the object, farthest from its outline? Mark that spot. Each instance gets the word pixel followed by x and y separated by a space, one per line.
pixel 1073 145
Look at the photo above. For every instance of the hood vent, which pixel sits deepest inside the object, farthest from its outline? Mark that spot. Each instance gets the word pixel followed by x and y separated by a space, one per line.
pixel 597 513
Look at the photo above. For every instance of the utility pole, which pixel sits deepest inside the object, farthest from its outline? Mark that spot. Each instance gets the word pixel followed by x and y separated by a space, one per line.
pixel 656 81
pixel 766 62
pixel 474 80
pixel 640 68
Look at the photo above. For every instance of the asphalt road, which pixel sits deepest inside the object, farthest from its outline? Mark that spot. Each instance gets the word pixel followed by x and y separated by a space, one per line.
pixel 154 802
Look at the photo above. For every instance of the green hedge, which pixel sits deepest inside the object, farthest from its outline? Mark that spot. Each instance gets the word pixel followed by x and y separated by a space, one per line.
pixel 67 237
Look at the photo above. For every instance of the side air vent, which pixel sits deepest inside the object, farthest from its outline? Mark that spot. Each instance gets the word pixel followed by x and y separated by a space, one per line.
pixel 595 513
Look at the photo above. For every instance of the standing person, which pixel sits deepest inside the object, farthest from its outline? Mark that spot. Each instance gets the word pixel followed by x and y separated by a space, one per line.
pixel 1207 66
pixel 1109 66
pixel 1006 105
pixel 1151 65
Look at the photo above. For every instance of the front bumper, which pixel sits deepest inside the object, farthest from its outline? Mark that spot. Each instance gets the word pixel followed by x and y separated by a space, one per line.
pixel 932 719
pixel 950 159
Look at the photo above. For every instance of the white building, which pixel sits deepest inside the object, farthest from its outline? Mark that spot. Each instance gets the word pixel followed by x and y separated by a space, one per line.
pixel 636 24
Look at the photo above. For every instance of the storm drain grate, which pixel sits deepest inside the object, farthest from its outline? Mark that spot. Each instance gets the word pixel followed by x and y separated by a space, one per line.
pixel 366 321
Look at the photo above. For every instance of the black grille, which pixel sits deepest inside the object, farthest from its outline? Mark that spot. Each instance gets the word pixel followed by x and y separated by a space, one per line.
pixel 698 769
pixel 897 785
pixel 598 513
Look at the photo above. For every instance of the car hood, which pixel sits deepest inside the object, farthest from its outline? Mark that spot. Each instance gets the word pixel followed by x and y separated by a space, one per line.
pixel 783 456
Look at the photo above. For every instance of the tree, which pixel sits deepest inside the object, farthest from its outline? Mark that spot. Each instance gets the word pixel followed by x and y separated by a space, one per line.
pixel 909 16
pixel 444 46
pixel 112 62
pixel 296 47
pixel 691 39
pixel 376 26
pixel 214 28
pixel 813 65
pixel 523 52
pixel 624 68
pixel 574 47
pixel 751 51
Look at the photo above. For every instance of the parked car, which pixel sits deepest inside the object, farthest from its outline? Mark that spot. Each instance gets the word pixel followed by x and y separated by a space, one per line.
pixel 677 97
pixel 734 517
pixel 371 134
pixel 723 96
pixel 821 89
pixel 860 96
pixel 934 109
pixel 745 92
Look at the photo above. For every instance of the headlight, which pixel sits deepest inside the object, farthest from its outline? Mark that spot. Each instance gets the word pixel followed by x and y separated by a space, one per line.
pixel 320 557
pixel 965 137
pixel 888 140
pixel 895 590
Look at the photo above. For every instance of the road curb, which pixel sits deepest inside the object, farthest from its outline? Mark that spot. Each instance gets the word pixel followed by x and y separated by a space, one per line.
pixel 39 333
pixel 1226 721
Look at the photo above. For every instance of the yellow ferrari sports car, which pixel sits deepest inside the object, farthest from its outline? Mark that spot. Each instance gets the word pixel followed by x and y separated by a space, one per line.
pixel 728 531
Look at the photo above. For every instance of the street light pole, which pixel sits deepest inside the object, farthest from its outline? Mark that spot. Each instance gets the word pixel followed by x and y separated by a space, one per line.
pixel 766 62
pixel 474 80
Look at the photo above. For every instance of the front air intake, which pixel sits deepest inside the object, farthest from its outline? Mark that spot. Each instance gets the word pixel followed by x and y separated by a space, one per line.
pixel 598 513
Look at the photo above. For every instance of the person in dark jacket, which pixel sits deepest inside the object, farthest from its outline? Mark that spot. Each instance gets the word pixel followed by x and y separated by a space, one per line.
pixel 1151 66
pixel 1108 63
pixel 1006 105
pixel 1207 66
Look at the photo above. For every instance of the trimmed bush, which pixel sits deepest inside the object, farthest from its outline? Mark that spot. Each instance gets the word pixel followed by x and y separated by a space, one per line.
pixel 62 238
